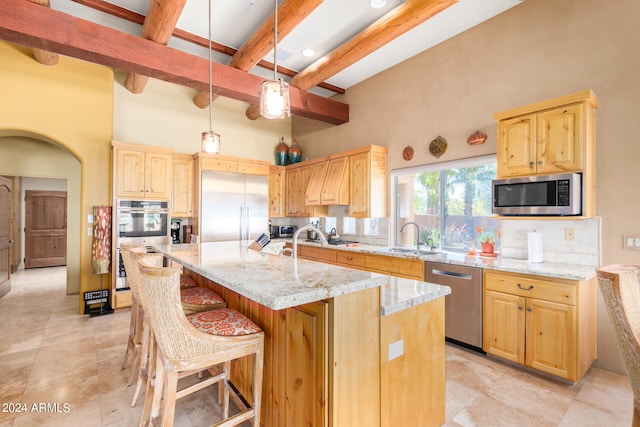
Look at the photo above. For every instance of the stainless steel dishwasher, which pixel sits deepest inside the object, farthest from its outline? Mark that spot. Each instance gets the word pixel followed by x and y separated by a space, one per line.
pixel 463 307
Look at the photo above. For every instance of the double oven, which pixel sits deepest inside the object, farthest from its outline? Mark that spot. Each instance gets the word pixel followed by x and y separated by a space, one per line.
pixel 144 222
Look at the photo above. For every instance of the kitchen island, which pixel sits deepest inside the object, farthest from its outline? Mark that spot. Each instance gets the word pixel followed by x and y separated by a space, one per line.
pixel 343 347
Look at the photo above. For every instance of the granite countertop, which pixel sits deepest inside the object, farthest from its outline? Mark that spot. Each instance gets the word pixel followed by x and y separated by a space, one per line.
pixel 549 269
pixel 280 282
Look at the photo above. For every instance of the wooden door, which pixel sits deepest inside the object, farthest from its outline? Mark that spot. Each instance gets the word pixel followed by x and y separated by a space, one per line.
pixel 306 361
pixel 504 326
pixel 292 192
pixel 129 170
pixel 335 190
pixel 157 174
pixel 316 181
pixel 517 147
pixel 182 187
pixel 560 139
pixel 45 228
pixel 6 197
pixel 359 179
pixel 276 191
pixel 551 338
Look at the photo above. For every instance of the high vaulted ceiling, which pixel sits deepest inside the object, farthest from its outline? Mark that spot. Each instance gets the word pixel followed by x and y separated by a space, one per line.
pixel 351 40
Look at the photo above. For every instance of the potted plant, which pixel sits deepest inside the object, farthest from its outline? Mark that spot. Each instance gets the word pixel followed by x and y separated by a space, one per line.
pixel 487 239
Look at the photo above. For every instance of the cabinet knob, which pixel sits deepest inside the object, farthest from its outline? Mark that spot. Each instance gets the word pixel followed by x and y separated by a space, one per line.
pixel 531 164
pixel 519 307
pixel 539 162
pixel 529 309
pixel 525 289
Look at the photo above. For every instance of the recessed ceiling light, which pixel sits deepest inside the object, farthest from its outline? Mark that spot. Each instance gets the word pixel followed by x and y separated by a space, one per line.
pixel 308 52
pixel 377 4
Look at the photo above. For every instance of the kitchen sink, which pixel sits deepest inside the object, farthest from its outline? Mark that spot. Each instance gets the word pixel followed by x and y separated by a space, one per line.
pixel 412 251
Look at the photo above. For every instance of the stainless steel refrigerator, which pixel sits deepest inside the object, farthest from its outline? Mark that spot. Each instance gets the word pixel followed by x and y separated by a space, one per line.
pixel 234 206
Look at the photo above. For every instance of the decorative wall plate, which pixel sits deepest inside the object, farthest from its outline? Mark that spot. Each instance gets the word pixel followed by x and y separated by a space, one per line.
pixel 477 138
pixel 438 146
pixel 407 153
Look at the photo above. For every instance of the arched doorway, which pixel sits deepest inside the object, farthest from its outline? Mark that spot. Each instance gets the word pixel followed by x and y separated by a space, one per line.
pixel 38 159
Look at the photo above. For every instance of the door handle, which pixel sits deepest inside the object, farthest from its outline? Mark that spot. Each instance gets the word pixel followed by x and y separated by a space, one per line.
pixel 451 274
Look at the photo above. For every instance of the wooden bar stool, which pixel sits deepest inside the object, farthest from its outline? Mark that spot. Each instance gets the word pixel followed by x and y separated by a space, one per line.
pixel 212 338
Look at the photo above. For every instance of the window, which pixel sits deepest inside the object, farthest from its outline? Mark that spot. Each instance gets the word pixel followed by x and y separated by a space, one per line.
pixel 448 200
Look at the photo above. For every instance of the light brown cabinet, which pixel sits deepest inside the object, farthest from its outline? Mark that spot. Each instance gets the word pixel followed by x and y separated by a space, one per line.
pixel 367 183
pixel 182 186
pixel 313 193
pixel 276 191
pixel 549 137
pixel 297 180
pixel 544 323
pixel 141 172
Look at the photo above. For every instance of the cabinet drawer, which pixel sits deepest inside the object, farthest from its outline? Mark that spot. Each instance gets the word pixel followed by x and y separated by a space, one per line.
pixel 222 165
pixel 532 287
pixel 253 168
pixel 409 268
pixel 122 299
pixel 351 259
pixel 317 254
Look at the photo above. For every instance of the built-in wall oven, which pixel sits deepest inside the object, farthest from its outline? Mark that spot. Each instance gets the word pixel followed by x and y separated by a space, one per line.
pixel 143 222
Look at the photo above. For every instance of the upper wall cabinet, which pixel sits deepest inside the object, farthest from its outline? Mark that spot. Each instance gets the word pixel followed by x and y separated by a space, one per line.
pixel 141 171
pixel 368 183
pixel 549 137
pixel 182 186
pixel 553 136
pixel 276 191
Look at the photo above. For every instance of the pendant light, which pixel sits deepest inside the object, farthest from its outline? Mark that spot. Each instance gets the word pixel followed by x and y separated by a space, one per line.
pixel 274 94
pixel 210 139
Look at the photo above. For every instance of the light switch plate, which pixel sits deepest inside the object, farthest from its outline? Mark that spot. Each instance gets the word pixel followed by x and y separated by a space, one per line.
pixel 396 349
pixel 631 241
pixel 90 219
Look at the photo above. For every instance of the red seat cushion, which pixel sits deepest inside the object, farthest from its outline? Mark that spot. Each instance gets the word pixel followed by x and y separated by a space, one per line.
pixel 225 321
pixel 198 295
pixel 187 282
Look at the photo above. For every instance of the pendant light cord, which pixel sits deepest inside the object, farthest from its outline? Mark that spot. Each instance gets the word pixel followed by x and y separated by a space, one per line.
pixel 275 40
pixel 210 89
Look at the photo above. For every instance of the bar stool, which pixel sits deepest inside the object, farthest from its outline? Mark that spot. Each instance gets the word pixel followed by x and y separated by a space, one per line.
pixel 183 346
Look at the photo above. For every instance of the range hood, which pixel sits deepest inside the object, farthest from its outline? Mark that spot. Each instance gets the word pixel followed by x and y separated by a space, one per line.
pixel 329 183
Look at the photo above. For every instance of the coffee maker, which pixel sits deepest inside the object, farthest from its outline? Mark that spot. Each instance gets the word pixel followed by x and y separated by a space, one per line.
pixel 175 231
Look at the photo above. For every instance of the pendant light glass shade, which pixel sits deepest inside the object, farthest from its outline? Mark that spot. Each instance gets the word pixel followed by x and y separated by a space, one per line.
pixel 210 142
pixel 274 99
pixel 275 102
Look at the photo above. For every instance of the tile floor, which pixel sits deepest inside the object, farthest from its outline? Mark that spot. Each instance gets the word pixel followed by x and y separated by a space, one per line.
pixel 51 355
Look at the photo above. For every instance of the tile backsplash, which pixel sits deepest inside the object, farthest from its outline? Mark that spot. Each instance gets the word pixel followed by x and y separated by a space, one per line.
pixel 583 250
pixel 372 231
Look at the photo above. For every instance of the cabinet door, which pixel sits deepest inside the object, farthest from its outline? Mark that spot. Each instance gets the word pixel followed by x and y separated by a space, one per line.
pixel 277 192
pixel 129 169
pixel 306 361
pixel 551 338
pixel 292 192
pixel 503 326
pixel 359 179
pixel 516 146
pixel 304 176
pixel 560 139
pixel 157 175
pixel 335 190
pixel 182 187
pixel 316 181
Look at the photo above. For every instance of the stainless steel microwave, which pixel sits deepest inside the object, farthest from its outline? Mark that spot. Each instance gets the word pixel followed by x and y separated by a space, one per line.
pixel 552 195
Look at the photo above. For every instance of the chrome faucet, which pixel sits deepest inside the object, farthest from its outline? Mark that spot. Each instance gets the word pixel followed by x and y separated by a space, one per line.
pixel 419 242
pixel 323 239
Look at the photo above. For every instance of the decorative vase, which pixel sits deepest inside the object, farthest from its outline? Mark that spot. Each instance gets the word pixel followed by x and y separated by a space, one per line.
pixel 294 152
pixel 282 152
pixel 487 248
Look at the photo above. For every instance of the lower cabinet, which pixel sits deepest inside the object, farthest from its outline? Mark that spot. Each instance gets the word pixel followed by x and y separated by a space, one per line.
pixel 543 323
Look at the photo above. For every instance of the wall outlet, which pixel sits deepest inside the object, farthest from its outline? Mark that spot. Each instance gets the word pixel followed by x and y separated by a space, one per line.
pixel 631 241
pixel 396 349
pixel 522 235
pixel 569 234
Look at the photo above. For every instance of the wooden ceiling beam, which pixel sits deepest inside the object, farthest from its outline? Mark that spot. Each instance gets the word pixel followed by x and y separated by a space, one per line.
pixel 396 22
pixel 31 25
pixel 136 18
pixel 290 14
pixel 43 56
pixel 158 26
